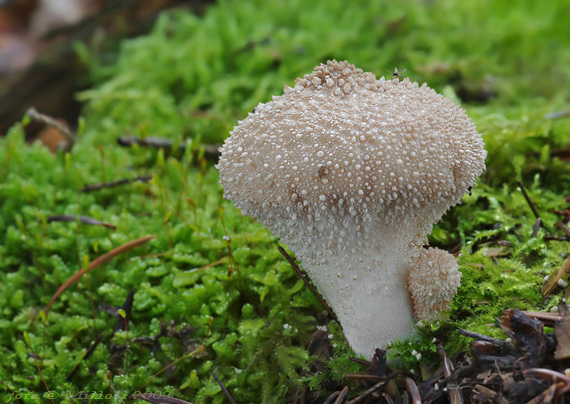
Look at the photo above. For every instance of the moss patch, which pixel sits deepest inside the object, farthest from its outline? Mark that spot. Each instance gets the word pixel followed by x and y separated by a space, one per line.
pixel 212 286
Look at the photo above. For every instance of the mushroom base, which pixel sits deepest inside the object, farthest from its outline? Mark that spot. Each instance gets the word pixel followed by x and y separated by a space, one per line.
pixel 364 280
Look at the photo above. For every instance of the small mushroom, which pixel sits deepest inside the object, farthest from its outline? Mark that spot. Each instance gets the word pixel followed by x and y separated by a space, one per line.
pixel 433 281
pixel 351 172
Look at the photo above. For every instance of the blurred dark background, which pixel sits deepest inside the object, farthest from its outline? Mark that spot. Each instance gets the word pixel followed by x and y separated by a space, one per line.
pixel 39 62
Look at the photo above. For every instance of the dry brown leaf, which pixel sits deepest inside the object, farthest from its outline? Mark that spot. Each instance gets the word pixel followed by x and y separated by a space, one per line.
pixel 552 282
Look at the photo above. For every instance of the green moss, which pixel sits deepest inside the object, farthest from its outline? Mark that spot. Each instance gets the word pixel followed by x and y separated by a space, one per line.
pixel 190 80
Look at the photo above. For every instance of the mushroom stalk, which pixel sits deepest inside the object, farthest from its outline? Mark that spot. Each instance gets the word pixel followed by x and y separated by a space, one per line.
pixel 363 284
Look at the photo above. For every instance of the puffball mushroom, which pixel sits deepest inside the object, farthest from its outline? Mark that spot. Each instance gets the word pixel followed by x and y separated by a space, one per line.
pixel 433 280
pixel 351 172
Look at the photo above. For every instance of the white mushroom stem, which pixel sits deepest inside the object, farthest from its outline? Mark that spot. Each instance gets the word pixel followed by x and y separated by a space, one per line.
pixel 365 292
pixel 361 269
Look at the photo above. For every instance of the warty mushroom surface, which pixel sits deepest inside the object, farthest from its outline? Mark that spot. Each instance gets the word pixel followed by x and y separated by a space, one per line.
pixel 351 173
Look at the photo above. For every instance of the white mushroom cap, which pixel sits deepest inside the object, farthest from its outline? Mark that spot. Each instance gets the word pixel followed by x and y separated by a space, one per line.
pixel 351 173
pixel 433 281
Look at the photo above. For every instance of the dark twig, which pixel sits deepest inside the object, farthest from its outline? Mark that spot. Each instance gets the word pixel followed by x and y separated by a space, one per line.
pixel 482 337
pixel 82 219
pixel 360 361
pixel 557 114
pixel 388 398
pixel 47 120
pixel 224 390
pixel 564 228
pixel 306 281
pixel 95 187
pixel 528 200
pixel 373 389
pixel 536 227
pixel 363 376
pixel 210 151
pixel 448 368
pixel 330 398
pixel 341 396
pixel 86 356
pixel 549 237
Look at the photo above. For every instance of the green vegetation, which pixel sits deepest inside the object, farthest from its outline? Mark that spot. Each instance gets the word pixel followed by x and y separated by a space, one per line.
pixel 227 300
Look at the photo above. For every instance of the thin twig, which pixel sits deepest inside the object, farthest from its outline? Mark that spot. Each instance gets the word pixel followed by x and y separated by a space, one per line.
pixel 306 281
pixel 99 261
pixel 563 227
pixel 48 120
pixel 373 389
pixel 95 187
pixel 546 374
pixel 82 219
pixel 364 376
pixel 360 361
pixel 210 150
pixel 547 318
pixel 447 364
pixel 330 398
pixel 224 390
pixel 86 356
pixel 341 396
pixel 29 341
pixel 536 227
pixel 528 200
pixel 549 237
pixel 196 351
pixel 557 114
pixel 482 337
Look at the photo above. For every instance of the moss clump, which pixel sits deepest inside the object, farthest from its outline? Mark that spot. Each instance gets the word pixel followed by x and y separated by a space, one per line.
pixel 190 80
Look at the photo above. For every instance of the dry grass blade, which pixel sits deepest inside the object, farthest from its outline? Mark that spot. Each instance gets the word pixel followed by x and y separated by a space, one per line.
pixel 447 365
pixel 86 356
pixel 341 396
pixel 361 376
pixel 111 184
pixel 547 318
pixel 413 391
pixel 99 261
pixel 563 227
pixel 536 227
pixel 210 150
pixel 373 389
pixel 547 395
pixel 189 355
pixel 480 337
pixel 47 120
pixel 546 374
pixel 528 200
pixel 224 390
pixel 306 281
pixel 82 219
